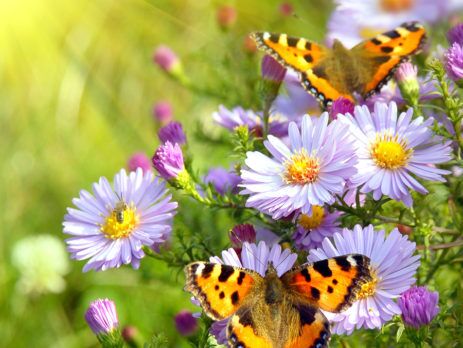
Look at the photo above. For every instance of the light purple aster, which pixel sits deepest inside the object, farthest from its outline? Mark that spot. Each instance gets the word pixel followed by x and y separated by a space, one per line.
pixel 353 21
pixel 110 227
pixel 392 149
pixel 172 132
pixel 238 116
pixel 313 228
pixel 419 306
pixel 168 161
pixel 257 258
pixel 312 171
pixel 101 316
pixel 296 102
pixel 393 267
pixel 223 180
pixel 454 62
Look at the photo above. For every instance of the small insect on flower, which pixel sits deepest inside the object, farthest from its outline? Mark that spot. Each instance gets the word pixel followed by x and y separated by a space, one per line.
pixel 270 309
pixel 120 209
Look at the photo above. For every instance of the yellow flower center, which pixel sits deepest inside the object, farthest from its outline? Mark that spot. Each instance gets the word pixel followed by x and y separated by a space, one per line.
pixel 301 169
pixel 368 289
pixel 313 221
pixel 396 6
pixel 390 153
pixel 121 222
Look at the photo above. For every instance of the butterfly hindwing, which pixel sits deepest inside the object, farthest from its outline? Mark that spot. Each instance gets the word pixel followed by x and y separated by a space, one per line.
pixel 241 331
pixel 313 329
pixel 380 56
pixel 331 284
pixel 220 288
pixel 306 58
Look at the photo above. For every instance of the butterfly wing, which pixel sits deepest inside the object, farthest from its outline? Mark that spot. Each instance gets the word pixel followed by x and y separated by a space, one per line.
pixel 378 58
pixel 312 329
pixel 331 284
pixel 307 58
pixel 219 288
pixel 241 331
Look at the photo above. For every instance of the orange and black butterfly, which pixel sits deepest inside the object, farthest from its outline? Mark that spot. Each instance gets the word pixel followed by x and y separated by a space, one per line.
pixel 278 312
pixel 331 73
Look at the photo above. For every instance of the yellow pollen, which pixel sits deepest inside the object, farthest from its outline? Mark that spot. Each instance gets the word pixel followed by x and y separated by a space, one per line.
pixel 313 221
pixel 368 289
pixel 390 153
pixel 301 169
pixel 115 227
pixel 396 6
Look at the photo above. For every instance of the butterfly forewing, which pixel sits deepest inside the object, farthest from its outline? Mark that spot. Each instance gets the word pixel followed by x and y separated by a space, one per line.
pixel 378 57
pixel 221 289
pixel 331 284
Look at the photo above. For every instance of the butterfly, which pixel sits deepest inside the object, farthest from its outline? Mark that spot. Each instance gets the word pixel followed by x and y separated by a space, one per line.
pixel 278 312
pixel 339 72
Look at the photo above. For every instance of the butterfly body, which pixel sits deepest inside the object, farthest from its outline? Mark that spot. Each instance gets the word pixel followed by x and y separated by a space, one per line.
pixel 273 311
pixel 341 72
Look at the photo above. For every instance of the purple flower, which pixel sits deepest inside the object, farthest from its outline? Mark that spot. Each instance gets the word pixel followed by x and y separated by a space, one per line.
pixel 101 316
pixel 162 111
pixel 223 180
pixel 313 228
pixel 166 59
pixel 257 258
pixel 110 227
pixel 311 172
pixel 139 160
pixel 454 62
pixel 393 267
pixel 238 116
pixel 172 132
pixel 419 306
pixel 242 233
pixel 341 106
pixel 455 35
pixel 296 102
pixel 391 147
pixel 272 70
pixel 186 323
pixel 168 161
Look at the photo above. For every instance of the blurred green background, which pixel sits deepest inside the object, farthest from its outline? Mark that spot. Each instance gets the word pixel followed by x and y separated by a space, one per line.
pixel 77 90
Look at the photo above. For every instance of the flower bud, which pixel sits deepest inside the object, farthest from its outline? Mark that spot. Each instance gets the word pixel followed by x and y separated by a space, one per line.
pixel 162 112
pixel 240 234
pixel 226 16
pixel 419 306
pixel 454 63
pixel 139 160
pixel 455 34
pixel 341 106
pixel 168 161
pixel 272 70
pixel 406 77
pixel 167 60
pixel 186 323
pixel 172 132
pixel 286 9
